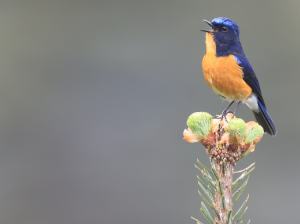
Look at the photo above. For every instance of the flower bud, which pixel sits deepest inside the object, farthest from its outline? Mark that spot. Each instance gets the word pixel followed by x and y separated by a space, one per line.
pixel 237 129
pixel 200 123
pixel 254 132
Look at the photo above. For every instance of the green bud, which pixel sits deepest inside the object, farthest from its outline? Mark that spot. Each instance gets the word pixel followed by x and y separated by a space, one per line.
pixel 254 133
pixel 236 126
pixel 200 123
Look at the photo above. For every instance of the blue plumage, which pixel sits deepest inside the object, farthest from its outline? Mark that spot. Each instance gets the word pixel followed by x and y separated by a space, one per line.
pixel 264 119
pixel 250 77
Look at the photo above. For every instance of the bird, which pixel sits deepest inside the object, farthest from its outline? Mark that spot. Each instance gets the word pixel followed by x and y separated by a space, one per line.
pixel 229 74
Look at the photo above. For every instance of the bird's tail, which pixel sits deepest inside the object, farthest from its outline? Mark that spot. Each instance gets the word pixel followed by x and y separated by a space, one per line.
pixel 264 119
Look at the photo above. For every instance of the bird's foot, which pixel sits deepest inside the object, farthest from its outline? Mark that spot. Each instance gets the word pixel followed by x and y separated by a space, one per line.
pixel 221 117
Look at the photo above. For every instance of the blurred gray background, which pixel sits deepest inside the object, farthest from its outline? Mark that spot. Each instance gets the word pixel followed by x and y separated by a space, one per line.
pixel 94 97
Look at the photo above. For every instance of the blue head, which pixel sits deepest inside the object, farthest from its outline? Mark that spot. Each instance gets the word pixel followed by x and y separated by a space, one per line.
pixel 226 36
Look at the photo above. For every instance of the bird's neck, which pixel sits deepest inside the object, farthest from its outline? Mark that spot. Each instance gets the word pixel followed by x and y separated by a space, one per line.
pixel 222 50
pixel 210 44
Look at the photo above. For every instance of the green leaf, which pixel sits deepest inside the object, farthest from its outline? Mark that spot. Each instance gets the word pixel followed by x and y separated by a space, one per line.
pixel 240 190
pixel 211 200
pixel 196 220
pixel 246 169
pixel 220 188
pixel 204 167
pixel 223 203
pixel 242 215
pixel 205 200
pixel 206 187
pixel 206 210
pixel 215 173
pixel 247 173
pixel 249 221
pixel 229 216
pixel 216 212
pixel 197 167
pixel 211 194
pixel 224 167
pixel 212 163
pixel 209 180
pixel 240 209
pixel 238 180
pixel 206 213
pixel 245 153
pixel 208 175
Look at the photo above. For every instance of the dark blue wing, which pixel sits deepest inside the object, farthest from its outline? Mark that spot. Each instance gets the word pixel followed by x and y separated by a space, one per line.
pixel 262 116
pixel 249 75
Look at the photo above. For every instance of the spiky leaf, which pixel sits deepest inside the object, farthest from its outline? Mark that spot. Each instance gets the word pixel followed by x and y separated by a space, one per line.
pixel 216 212
pixel 206 187
pixel 215 173
pixel 212 163
pixel 246 169
pixel 206 213
pixel 204 167
pixel 197 168
pixel 220 188
pixel 240 209
pixel 208 174
pixel 224 167
pixel 211 200
pixel 242 215
pixel 235 183
pixel 240 190
pixel 229 217
pixel 205 200
pixel 196 220
pixel 208 179
pixel 223 203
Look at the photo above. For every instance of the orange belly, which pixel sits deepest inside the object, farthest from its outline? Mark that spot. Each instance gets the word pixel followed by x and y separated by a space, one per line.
pixel 223 74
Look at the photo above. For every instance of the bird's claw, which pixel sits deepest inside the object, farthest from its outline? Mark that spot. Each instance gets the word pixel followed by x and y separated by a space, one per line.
pixel 221 117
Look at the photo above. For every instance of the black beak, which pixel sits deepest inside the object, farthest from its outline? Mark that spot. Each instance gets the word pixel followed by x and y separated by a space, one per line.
pixel 211 25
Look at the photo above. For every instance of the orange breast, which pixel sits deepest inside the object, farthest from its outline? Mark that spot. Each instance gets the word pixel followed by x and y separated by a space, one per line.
pixel 223 74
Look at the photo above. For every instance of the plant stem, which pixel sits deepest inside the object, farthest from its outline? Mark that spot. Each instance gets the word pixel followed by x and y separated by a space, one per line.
pixel 226 185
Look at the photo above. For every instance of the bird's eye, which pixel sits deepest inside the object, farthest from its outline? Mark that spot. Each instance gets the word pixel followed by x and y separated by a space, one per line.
pixel 224 29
